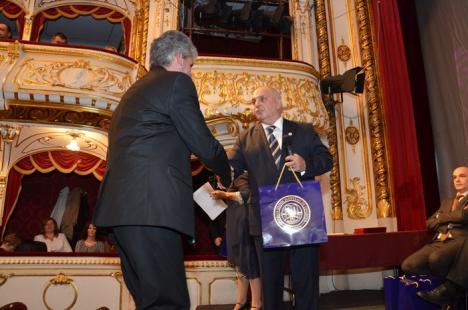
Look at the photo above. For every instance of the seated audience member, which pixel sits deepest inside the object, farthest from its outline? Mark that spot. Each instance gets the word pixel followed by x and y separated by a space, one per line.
pixel 218 230
pixel 9 243
pixel 5 31
pixel 55 241
pixel 450 225
pixel 32 246
pixel 456 283
pixel 90 244
pixel 240 244
pixel 59 38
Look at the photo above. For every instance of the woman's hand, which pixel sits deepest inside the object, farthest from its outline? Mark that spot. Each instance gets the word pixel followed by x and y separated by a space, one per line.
pixel 217 194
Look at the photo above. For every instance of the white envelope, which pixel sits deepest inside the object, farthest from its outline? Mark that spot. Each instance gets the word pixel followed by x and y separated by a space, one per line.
pixel 212 207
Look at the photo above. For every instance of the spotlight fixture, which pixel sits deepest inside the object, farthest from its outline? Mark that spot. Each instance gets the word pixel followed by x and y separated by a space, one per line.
pixel 352 81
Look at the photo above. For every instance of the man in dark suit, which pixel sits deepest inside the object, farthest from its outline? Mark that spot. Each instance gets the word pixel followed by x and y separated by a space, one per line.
pixel 457 277
pixel 450 227
pixel 146 194
pixel 456 282
pixel 262 150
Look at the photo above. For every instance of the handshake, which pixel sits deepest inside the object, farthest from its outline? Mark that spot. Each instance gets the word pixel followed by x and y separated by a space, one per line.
pixel 217 183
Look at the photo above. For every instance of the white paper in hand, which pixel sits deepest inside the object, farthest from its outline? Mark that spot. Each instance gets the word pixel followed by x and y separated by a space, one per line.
pixel 212 207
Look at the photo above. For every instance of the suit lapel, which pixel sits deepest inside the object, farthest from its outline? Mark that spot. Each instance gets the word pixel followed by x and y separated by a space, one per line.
pixel 264 146
pixel 289 132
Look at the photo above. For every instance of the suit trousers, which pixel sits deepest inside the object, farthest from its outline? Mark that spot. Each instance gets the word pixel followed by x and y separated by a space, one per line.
pixel 459 270
pixel 152 263
pixel 434 258
pixel 304 270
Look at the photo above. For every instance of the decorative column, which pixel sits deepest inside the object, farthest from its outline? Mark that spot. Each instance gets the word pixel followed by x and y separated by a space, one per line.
pixel 28 20
pixel 302 47
pixel 375 114
pixel 163 16
pixel 325 70
pixel 8 135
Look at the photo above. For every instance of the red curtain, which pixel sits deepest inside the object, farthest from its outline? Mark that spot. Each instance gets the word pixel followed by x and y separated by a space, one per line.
pixel 13 11
pixel 46 162
pixel 399 116
pixel 73 11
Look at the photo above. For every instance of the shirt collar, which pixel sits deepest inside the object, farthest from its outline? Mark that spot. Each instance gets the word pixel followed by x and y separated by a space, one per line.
pixel 278 124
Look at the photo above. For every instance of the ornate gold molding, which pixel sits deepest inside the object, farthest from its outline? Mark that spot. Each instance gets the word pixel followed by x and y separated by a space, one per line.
pixel 139 38
pixel 39 113
pixel 4 277
pixel 60 279
pixel 79 74
pixel 357 208
pixel 9 133
pixel 376 127
pixel 325 70
pixel 229 93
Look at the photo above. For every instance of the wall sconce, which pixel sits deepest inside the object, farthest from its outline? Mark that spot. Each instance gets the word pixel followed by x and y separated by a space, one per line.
pixel 73 145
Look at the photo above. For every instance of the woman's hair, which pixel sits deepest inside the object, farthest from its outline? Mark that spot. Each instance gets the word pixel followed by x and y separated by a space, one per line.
pixel 12 240
pixel 84 232
pixel 44 223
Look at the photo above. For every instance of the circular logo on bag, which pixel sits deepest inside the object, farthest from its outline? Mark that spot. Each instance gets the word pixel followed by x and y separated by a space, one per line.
pixel 291 213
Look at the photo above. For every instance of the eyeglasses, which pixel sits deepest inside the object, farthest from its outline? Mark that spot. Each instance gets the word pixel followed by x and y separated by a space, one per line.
pixel 260 98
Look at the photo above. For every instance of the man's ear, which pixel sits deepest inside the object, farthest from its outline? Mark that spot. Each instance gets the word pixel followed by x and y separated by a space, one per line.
pixel 179 60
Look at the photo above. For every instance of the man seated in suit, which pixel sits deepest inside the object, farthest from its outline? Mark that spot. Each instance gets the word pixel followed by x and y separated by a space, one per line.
pixel 450 225
pixel 456 282
pixel 262 150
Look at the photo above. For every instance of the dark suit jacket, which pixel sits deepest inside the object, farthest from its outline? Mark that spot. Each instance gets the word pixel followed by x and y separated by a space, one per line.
pixel 155 128
pixel 439 221
pixel 252 153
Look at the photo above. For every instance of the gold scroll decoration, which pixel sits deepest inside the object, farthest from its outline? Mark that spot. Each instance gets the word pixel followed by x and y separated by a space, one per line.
pixel 325 70
pixel 376 127
pixel 357 208
pixel 60 279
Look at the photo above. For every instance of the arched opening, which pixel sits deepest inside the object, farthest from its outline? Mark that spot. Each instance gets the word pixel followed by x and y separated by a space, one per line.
pixel 34 184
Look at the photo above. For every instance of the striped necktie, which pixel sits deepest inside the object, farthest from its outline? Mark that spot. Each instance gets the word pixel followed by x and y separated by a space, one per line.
pixel 274 145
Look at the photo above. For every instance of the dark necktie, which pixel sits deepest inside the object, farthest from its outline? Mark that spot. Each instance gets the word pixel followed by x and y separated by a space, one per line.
pixel 274 145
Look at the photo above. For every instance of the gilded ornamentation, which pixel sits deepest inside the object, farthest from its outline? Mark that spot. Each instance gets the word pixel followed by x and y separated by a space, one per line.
pixel 357 206
pixel 79 74
pixel 343 52
pixel 352 135
pixel 55 116
pixel 140 32
pixel 377 136
pixel 28 21
pixel 9 133
pixel 225 93
pixel 3 183
pixel 383 209
pixel 4 277
pixel 325 70
pixel 60 279
pixel 5 260
pixel 14 50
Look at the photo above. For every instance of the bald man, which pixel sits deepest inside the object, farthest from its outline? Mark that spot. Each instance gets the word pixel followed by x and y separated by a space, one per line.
pixel 261 151
pixel 450 227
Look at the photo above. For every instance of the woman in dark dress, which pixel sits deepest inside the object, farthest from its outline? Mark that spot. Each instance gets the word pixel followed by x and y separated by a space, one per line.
pixel 240 245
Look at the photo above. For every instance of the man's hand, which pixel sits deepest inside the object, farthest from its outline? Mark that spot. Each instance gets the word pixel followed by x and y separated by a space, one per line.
pixel 296 162
pixel 219 184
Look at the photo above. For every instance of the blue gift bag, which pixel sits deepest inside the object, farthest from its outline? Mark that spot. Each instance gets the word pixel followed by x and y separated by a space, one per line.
pixel 292 214
pixel 400 293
